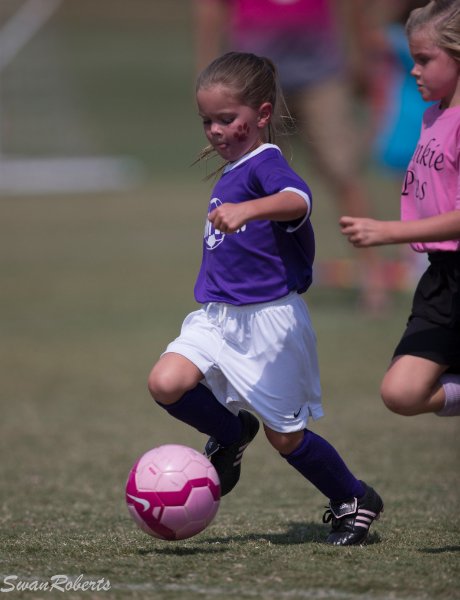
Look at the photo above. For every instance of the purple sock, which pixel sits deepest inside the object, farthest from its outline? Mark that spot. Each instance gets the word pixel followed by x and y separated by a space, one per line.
pixel 201 409
pixel 321 464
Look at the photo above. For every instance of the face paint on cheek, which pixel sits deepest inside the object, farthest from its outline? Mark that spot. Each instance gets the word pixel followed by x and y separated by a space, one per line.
pixel 242 134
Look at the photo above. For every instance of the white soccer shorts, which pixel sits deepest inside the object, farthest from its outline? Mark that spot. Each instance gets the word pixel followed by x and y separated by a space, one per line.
pixel 261 357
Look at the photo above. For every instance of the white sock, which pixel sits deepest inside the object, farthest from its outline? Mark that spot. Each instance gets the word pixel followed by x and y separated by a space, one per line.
pixel 451 385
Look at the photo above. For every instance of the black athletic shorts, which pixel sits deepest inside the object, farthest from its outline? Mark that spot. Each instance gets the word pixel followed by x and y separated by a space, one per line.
pixel 433 329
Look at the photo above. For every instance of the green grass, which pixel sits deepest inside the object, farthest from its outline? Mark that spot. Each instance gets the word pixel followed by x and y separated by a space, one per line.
pixel 94 287
pixel 92 290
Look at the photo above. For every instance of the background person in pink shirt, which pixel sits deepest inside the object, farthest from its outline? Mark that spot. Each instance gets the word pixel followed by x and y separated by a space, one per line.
pixel 425 373
pixel 307 41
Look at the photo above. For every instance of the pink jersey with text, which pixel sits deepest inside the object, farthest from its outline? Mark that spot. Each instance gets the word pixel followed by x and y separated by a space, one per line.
pixel 432 182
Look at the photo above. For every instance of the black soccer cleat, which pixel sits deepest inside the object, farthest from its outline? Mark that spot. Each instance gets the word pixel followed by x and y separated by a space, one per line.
pixel 351 520
pixel 227 459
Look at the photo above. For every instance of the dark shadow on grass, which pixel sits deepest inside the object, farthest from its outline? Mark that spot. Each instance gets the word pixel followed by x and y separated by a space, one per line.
pixel 440 550
pixel 296 533
pixel 174 550
pixel 373 538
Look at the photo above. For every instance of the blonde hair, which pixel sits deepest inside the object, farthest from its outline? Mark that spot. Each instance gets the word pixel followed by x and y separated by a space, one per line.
pixel 253 80
pixel 443 17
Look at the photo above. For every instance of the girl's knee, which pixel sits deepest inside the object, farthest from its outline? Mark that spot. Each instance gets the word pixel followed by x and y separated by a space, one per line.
pixel 156 384
pixel 410 386
pixel 163 385
pixel 285 443
pixel 401 401
pixel 171 377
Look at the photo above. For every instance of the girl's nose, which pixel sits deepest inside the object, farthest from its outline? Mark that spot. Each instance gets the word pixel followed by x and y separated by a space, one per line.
pixel 216 129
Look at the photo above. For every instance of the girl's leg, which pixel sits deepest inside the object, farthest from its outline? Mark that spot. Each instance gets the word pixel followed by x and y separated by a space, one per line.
pixel 353 504
pixel 174 383
pixel 412 386
pixel 318 462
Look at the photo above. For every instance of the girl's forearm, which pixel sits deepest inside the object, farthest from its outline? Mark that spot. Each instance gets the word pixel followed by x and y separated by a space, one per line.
pixel 284 206
pixel 431 229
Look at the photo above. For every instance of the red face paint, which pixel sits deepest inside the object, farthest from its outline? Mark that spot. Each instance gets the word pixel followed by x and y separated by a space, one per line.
pixel 242 134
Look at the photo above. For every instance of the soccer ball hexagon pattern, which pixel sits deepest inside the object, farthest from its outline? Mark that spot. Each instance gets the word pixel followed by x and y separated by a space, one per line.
pixel 173 492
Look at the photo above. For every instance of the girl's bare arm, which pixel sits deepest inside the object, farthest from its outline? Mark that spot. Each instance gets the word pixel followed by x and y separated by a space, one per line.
pixel 363 232
pixel 283 206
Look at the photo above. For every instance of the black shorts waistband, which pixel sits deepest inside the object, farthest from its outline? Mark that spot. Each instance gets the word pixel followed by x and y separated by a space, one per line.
pixel 444 257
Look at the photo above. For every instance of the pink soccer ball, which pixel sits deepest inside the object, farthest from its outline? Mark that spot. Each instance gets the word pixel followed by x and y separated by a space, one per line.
pixel 173 492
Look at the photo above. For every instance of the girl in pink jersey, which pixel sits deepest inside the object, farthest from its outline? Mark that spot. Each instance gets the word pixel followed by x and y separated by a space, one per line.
pixel 424 375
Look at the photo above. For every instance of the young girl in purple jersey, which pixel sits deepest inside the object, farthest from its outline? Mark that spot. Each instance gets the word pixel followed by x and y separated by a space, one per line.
pixel 251 348
pixel 424 375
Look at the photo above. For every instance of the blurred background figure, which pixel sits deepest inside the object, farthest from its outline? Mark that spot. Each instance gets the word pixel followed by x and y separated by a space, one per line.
pixel 395 102
pixel 311 42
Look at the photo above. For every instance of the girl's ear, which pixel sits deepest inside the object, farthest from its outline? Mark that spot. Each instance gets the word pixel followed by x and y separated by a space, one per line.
pixel 265 113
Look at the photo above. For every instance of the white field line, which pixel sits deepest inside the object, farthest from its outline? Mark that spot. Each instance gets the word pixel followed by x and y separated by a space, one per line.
pixel 244 592
pixel 238 591
pixel 79 174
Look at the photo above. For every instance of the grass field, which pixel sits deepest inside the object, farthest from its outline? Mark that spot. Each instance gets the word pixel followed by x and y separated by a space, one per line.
pixel 92 289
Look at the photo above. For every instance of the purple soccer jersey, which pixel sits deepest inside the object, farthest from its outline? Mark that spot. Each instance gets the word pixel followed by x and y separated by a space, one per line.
pixel 264 260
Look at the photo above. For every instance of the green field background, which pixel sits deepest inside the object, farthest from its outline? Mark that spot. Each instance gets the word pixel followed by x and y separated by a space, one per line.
pixel 93 286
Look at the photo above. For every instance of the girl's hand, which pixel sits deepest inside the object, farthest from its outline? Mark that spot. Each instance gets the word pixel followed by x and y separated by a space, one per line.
pixel 363 232
pixel 228 217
